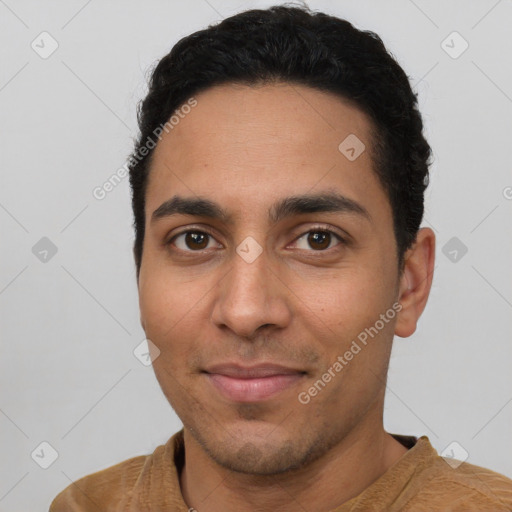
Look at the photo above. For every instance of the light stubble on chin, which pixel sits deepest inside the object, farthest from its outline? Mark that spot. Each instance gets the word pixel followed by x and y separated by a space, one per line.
pixel 267 458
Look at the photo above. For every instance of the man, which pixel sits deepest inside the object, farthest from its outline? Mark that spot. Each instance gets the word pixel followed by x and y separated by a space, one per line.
pixel 278 251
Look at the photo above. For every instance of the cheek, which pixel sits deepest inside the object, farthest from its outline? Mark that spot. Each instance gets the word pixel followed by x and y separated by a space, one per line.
pixel 349 300
pixel 169 310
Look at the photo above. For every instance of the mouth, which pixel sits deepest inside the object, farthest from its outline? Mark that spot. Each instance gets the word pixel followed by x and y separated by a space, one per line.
pixel 252 384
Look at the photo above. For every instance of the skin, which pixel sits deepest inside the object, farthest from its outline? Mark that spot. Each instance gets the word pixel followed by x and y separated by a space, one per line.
pixel 297 304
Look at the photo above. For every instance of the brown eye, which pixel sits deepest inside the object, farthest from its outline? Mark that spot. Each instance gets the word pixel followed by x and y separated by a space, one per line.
pixel 192 241
pixel 318 240
pixel 196 240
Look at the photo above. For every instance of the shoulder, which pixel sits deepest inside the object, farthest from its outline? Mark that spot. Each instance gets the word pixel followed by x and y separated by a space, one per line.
pixel 101 490
pixel 463 487
pixel 129 485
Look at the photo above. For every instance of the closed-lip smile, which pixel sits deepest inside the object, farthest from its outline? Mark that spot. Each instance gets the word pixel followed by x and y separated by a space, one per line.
pixel 252 383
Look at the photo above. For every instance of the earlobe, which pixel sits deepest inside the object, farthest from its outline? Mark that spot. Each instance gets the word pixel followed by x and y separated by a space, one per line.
pixel 415 282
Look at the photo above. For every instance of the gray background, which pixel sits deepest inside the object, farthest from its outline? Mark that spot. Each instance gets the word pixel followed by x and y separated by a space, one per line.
pixel 69 324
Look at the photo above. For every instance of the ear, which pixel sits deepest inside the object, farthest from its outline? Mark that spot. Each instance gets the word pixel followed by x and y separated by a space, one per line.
pixel 415 282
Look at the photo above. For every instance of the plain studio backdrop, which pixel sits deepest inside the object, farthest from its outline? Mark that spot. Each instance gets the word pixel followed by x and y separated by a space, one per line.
pixel 75 396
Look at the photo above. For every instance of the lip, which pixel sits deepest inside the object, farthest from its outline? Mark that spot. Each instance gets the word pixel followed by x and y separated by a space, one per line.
pixel 252 384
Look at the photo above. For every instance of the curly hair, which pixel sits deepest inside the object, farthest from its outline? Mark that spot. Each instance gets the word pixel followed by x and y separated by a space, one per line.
pixel 295 45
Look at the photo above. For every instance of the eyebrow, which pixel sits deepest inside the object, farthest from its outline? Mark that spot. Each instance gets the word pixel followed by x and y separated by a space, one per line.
pixel 329 201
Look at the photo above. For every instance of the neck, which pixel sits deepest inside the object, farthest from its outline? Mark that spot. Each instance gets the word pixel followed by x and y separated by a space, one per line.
pixel 343 473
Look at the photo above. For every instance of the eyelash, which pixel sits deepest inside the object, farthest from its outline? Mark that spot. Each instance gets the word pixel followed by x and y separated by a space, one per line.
pixel 316 229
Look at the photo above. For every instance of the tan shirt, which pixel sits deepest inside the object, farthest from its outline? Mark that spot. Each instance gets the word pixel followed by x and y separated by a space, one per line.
pixel 419 481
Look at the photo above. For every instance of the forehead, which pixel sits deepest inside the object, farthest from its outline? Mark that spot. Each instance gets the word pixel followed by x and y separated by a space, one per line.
pixel 257 144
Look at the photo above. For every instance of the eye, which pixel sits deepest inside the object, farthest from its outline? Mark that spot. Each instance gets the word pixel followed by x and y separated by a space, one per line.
pixel 192 241
pixel 319 239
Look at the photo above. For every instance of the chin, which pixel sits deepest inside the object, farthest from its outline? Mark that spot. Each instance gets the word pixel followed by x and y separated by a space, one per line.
pixel 261 459
pixel 262 455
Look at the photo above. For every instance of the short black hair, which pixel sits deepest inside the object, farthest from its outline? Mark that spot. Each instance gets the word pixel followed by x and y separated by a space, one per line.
pixel 295 45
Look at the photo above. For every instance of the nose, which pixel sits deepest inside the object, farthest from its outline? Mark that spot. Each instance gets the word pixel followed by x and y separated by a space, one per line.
pixel 251 296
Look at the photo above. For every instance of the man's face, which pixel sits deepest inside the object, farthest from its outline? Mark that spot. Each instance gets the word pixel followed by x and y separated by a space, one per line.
pixel 244 335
